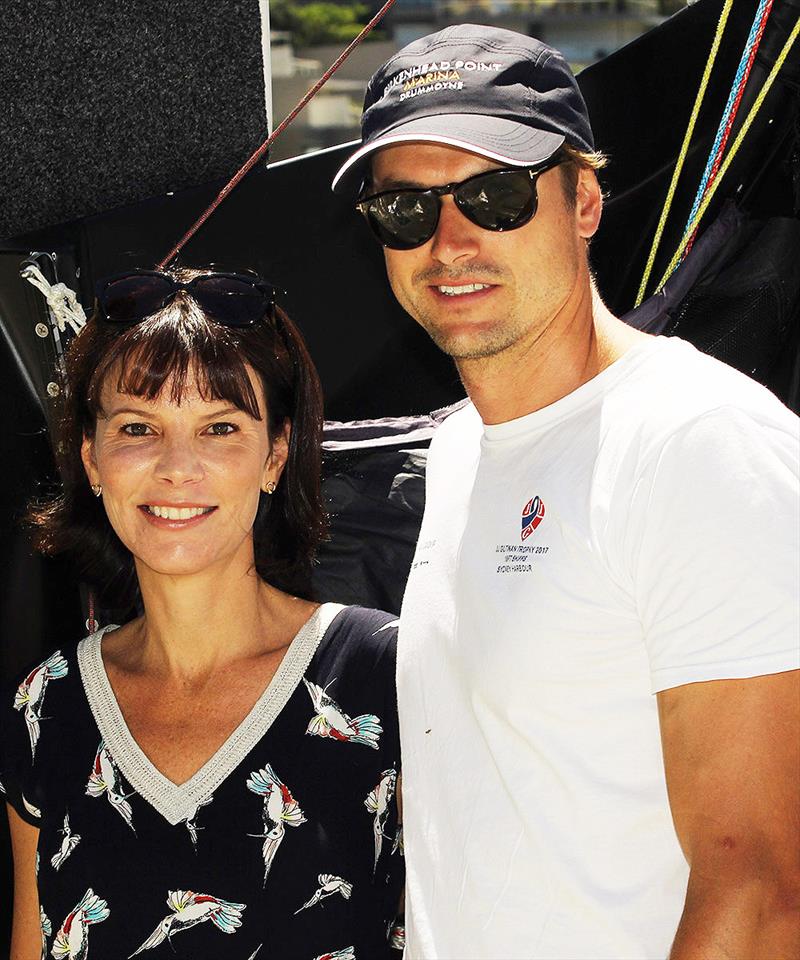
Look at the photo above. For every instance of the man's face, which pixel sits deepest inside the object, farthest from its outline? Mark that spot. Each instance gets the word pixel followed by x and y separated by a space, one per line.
pixel 477 292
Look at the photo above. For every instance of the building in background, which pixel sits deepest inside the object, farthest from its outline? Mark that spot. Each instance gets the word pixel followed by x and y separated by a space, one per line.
pixel 584 30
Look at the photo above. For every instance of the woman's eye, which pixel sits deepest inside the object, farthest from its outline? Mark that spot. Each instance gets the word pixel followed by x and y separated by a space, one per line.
pixel 222 429
pixel 136 429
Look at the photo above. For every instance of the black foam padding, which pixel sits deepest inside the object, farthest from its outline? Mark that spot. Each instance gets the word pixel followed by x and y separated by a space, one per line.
pixel 39 603
pixel 109 103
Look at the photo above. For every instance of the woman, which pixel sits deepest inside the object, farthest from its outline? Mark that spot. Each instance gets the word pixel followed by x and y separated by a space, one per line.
pixel 216 778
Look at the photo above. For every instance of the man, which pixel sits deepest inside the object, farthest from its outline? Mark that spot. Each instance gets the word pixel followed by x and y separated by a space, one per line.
pixel 599 640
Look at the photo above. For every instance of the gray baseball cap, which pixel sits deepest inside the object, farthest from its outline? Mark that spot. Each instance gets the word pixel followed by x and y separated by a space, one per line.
pixel 494 92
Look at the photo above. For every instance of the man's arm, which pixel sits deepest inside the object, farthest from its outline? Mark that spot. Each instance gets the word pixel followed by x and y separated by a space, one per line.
pixel 732 759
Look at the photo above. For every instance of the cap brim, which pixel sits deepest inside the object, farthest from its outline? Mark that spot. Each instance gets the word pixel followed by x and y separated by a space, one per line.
pixel 505 141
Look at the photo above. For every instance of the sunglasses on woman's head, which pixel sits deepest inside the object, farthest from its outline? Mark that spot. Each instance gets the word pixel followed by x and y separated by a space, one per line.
pixel 232 299
pixel 498 200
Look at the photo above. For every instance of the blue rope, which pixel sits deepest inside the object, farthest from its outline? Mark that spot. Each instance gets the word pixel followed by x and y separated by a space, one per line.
pixel 737 82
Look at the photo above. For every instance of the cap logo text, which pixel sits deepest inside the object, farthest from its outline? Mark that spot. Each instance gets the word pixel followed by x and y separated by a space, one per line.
pixel 438 70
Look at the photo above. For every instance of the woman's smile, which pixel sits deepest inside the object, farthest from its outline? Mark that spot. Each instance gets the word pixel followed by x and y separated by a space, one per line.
pixel 176 516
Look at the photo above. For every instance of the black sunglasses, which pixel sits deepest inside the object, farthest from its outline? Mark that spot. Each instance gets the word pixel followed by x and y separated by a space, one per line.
pixel 232 299
pixel 497 200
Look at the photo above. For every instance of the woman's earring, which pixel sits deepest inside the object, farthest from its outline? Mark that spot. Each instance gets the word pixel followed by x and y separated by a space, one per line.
pixel 97 489
pixel 270 487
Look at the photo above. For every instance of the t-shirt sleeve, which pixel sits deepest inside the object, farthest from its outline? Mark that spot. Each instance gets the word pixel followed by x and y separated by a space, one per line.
pixel 715 558
pixel 19 731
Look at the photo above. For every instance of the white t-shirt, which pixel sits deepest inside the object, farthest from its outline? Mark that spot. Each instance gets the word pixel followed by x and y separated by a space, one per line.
pixel 639 534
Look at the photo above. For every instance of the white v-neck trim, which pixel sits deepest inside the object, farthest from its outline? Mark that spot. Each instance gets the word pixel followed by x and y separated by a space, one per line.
pixel 176 802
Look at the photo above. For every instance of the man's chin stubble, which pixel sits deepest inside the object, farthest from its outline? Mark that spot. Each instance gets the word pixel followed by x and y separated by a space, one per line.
pixel 470 347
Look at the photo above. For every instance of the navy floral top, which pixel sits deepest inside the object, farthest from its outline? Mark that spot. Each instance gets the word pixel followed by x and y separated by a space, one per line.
pixel 285 844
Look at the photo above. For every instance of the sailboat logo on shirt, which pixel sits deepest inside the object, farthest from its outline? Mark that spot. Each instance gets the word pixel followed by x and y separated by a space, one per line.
pixel 532 516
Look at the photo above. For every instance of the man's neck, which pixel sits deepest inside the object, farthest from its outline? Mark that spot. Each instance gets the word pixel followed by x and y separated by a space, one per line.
pixel 572 349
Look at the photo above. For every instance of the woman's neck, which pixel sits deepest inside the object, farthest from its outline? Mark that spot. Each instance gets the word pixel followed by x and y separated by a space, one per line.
pixel 196 624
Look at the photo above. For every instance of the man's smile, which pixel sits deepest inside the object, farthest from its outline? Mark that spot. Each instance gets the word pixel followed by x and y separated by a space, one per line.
pixel 462 289
pixel 468 292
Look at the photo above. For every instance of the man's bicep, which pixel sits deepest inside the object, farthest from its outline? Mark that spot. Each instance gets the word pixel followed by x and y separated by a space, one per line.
pixel 732 764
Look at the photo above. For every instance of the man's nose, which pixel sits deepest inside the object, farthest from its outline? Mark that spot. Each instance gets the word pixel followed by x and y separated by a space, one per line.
pixel 179 461
pixel 456 239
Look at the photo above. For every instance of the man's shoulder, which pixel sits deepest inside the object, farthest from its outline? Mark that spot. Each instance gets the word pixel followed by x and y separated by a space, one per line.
pixel 678 386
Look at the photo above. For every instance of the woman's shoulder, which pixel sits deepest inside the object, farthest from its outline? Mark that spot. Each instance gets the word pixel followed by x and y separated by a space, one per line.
pixel 46 692
pixel 34 706
pixel 360 637
pixel 365 626
pixel 49 665
pixel 55 666
pixel 367 618
pixel 351 679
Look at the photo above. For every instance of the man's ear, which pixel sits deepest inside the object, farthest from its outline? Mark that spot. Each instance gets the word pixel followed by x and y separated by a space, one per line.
pixel 89 460
pixel 278 455
pixel 588 203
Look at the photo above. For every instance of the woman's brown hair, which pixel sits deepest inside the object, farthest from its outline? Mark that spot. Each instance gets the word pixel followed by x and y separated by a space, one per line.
pixel 182 345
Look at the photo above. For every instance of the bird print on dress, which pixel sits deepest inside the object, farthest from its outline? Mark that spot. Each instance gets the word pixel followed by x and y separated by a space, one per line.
pixel 69 841
pixel 398 845
pixel 330 720
pixel 30 694
pixel 34 811
pixel 329 885
pixel 280 810
pixel 72 940
pixel 189 909
pixel 191 821
pixel 377 802
pixel 348 953
pixel 254 954
pixel 47 929
pixel 105 779
pixel 397 935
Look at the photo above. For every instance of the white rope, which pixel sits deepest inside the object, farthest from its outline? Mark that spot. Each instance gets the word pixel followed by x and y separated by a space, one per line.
pixel 63 302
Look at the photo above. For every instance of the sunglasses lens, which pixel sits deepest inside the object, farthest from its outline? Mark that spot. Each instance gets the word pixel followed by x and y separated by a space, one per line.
pixel 232 301
pixel 130 299
pixel 498 201
pixel 404 219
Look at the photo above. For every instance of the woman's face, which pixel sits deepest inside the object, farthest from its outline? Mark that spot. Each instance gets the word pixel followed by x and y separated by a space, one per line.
pixel 181 482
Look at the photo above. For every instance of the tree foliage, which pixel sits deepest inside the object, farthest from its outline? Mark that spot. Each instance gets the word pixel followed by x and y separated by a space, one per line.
pixel 319 21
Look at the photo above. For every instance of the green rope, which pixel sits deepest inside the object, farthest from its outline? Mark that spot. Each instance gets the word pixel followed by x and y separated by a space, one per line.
pixel 692 226
pixel 723 19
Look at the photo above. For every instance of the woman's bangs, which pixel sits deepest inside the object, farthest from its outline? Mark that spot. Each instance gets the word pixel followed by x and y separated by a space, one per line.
pixel 178 354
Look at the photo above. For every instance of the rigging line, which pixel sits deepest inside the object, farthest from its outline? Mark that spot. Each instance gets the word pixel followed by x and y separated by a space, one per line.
pixel 248 165
pixel 723 19
pixel 733 151
pixel 731 107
